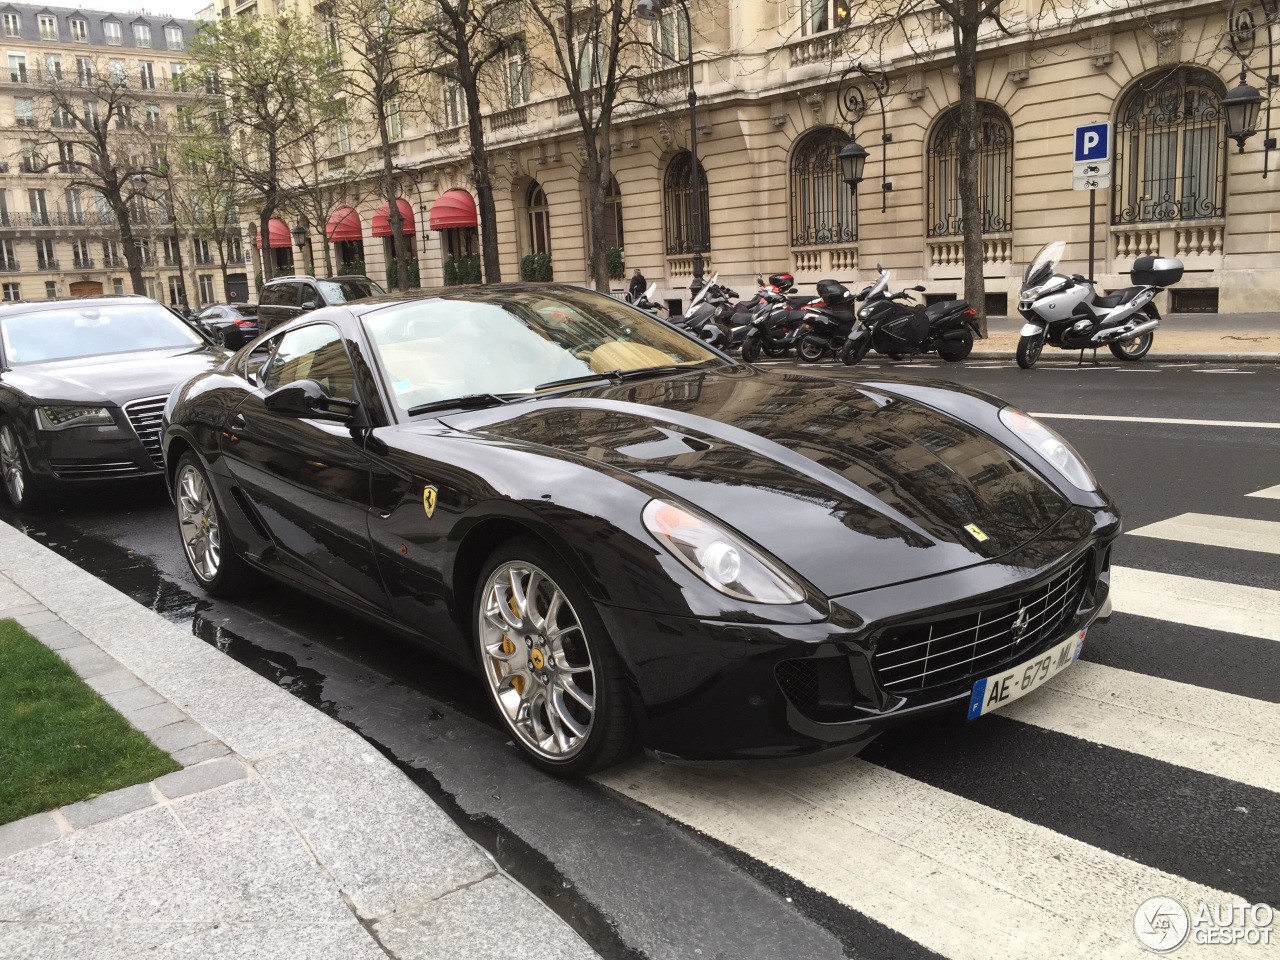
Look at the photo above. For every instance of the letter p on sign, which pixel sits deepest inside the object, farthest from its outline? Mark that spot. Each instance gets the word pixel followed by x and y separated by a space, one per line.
pixel 1093 142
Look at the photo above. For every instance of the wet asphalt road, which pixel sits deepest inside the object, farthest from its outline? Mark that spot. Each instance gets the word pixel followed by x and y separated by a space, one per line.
pixel 637 884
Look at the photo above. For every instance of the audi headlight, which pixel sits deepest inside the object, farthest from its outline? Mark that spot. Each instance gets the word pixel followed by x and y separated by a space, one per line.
pixel 719 557
pixel 1052 447
pixel 64 417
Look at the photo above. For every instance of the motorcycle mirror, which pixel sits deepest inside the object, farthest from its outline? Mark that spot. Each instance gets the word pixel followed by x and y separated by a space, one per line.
pixel 919 287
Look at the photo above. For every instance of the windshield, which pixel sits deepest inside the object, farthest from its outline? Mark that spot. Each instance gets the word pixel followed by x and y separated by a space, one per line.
pixel 1044 264
pixel 881 284
pixel 344 291
pixel 91 331
pixel 517 342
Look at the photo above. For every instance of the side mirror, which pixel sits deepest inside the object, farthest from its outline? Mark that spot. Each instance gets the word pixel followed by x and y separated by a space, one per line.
pixel 919 287
pixel 308 305
pixel 306 399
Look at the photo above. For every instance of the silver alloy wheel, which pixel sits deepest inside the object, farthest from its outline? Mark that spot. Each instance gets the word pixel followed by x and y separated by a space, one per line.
pixel 15 483
pixel 1135 346
pixel 198 523
pixel 536 660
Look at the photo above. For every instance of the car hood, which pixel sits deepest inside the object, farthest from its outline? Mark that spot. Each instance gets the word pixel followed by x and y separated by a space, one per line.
pixel 852 487
pixel 115 378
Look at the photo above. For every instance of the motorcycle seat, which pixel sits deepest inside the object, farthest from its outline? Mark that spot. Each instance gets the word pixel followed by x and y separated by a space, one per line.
pixel 1117 298
pixel 839 314
pixel 935 310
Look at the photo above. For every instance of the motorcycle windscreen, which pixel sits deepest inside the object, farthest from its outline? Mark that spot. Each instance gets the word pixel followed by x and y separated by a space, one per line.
pixel 1044 264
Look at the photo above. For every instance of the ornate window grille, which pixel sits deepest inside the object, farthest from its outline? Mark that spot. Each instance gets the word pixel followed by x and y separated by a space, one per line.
pixel 677 193
pixel 1171 149
pixel 539 219
pixel 995 173
pixel 822 205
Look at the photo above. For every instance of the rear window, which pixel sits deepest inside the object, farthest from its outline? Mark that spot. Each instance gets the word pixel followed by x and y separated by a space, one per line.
pixel 91 331
pixel 345 291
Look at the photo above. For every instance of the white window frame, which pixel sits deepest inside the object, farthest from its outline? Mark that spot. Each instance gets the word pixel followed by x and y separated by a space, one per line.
pixel 142 35
pixel 112 32
pixel 24 111
pixel 205 281
pixel 12 25
pixel 395 128
pixel 11 291
pixel 79 30
pixel 671 37
pixel 455 105
pixel 53 65
pixel 517 72
pixel 819 16
pixel 48 26
pixel 147 72
pixel 173 38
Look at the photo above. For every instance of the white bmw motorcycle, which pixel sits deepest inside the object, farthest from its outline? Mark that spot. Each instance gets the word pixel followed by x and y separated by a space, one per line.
pixel 1065 311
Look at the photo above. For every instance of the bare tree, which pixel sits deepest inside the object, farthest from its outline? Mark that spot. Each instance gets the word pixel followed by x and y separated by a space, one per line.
pixel 207 194
pixel 259 73
pixel 97 128
pixel 465 39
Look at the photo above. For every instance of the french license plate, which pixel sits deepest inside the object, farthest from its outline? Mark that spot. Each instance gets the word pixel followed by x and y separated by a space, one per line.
pixel 992 693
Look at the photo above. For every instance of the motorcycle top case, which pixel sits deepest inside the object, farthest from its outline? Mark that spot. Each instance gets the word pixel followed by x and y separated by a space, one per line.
pixel 783 281
pixel 833 292
pixel 1156 271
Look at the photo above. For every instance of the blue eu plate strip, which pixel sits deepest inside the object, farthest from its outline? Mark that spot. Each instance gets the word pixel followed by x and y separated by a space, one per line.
pixel 975 701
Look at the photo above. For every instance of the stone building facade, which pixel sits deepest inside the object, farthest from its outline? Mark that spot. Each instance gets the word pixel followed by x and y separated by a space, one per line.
pixel 57 238
pixel 768 78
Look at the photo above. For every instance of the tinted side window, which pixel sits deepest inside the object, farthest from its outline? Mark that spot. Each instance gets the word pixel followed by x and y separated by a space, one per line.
pixel 279 295
pixel 313 352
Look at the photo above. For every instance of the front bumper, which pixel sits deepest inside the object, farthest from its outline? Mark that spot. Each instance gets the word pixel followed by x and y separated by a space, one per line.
pixel 128 449
pixel 711 690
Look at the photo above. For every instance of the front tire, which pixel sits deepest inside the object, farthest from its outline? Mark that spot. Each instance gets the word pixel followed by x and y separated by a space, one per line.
pixel 854 350
pixel 1133 349
pixel 206 542
pixel 811 349
pixel 19 485
pixel 551 670
pixel 1029 349
pixel 751 349
pixel 953 351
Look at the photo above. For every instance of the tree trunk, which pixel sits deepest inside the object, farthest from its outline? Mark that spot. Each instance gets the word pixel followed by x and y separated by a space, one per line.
pixel 966 40
pixel 597 183
pixel 264 233
pixel 393 208
pixel 484 185
pixel 132 255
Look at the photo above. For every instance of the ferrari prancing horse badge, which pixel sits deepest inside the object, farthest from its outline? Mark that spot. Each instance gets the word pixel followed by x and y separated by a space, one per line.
pixel 429 500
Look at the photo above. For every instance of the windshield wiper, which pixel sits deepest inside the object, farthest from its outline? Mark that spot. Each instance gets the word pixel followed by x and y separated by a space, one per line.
pixel 643 372
pixel 472 401
pixel 570 381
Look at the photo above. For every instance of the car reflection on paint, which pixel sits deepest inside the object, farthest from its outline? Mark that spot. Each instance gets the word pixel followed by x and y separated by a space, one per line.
pixel 630 537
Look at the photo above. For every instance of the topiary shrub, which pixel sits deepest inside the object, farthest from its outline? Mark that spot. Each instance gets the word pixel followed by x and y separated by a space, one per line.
pixel 529 267
pixel 411 270
pixel 542 267
pixel 355 268
pixel 450 272
pixel 469 268
pixel 616 262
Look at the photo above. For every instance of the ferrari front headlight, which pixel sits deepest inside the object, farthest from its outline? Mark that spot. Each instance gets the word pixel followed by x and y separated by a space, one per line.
pixel 61 417
pixel 718 557
pixel 1050 446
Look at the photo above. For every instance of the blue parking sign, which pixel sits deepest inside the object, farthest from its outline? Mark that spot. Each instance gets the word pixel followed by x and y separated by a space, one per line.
pixel 1093 142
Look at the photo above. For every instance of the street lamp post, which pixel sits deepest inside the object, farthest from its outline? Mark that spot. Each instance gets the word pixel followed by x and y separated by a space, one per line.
pixel 300 237
pixel 1244 102
pixel 652 10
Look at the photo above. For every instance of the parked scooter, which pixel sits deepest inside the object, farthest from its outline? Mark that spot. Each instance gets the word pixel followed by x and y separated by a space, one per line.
pixel 899 328
pixel 832 321
pixel 709 314
pixel 776 323
pixel 646 302
pixel 1066 312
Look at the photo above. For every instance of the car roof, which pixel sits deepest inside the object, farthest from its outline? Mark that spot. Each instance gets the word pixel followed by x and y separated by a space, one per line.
pixel 462 292
pixel 12 307
pixel 339 278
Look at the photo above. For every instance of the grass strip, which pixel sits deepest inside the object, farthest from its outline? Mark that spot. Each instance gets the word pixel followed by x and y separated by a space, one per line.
pixel 59 741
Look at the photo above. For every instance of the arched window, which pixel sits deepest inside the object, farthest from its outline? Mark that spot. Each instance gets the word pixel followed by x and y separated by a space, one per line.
pixel 678 195
pixel 995 173
pixel 1171 149
pixel 613 215
pixel 822 205
pixel 537 219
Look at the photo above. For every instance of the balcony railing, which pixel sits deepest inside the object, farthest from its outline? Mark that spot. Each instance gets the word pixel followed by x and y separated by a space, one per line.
pixel 19 76
pixel 43 264
pixel 84 263
pixel 204 259
pixel 113 261
pixel 505 119
pixel 9 266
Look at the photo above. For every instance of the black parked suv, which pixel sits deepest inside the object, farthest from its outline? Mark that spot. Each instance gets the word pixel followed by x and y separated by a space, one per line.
pixel 285 297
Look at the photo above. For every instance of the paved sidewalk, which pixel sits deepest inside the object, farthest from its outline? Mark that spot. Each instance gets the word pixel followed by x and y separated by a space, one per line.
pixel 1210 337
pixel 285 835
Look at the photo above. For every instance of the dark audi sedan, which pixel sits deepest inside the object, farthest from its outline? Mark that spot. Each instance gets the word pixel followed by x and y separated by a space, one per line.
pixel 632 538
pixel 82 386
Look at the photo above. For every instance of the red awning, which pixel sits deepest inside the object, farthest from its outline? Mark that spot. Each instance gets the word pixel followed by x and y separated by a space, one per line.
pixel 343 225
pixel 454 208
pixel 382 219
pixel 281 239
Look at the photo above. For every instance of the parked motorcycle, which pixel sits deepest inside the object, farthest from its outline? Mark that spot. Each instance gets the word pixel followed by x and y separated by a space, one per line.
pixel 709 315
pixel 646 302
pixel 777 324
pixel 899 328
pixel 832 321
pixel 1066 312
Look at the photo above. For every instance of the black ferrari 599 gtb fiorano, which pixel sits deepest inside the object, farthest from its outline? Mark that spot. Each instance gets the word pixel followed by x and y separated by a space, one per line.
pixel 631 538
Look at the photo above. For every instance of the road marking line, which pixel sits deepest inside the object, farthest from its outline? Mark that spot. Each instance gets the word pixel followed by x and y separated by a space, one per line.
pixel 1221 734
pixel 1229 607
pixel 1271 493
pixel 1255 424
pixel 947 872
pixel 1238 533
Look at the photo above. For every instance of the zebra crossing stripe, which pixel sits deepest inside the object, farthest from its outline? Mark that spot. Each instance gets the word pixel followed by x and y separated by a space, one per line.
pixel 1221 734
pixel 1211 604
pixel 1238 533
pixel 948 872
pixel 1271 493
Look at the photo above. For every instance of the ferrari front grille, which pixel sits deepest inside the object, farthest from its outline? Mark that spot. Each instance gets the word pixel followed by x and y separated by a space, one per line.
pixel 956 649
pixel 821 688
pixel 145 416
